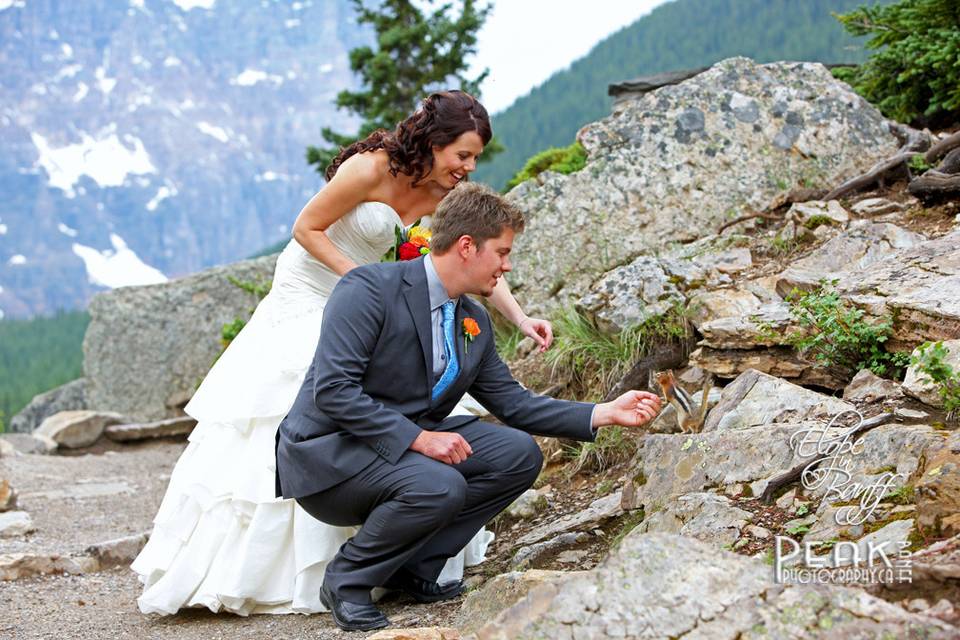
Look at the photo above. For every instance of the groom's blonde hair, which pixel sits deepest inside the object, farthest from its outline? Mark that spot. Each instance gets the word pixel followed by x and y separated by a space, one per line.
pixel 474 210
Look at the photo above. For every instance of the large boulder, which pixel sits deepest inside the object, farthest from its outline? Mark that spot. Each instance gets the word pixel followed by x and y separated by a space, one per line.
pixel 69 397
pixel 673 164
pixel 147 348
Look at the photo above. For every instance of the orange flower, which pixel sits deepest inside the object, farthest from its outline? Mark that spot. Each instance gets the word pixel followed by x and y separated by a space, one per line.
pixel 419 241
pixel 470 327
pixel 470 331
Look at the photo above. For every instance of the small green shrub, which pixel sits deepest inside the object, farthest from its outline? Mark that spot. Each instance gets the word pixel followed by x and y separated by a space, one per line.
pixel 834 334
pixel 628 523
pixel 915 68
pixel 258 289
pixel 595 359
pixel 930 360
pixel 611 447
pixel 918 163
pixel 508 337
pixel 562 160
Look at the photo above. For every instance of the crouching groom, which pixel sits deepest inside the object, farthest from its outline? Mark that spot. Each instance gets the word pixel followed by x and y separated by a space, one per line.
pixel 368 441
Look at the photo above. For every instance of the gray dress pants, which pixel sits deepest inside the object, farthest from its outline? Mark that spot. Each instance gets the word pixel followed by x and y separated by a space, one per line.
pixel 419 512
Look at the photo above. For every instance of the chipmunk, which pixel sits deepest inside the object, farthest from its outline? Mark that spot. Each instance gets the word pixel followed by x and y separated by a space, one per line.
pixel 690 415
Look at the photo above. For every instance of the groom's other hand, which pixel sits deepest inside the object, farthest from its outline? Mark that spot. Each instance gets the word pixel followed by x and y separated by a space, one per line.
pixel 632 409
pixel 451 448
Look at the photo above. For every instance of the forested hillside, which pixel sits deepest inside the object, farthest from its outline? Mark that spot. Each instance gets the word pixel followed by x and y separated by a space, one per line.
pixel 37 355
pixel 679 35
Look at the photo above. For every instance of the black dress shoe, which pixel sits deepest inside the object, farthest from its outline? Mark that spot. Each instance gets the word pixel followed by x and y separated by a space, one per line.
pixel 351 616
pixel 424 590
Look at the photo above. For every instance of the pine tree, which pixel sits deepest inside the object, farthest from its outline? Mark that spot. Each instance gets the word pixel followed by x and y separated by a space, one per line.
pixel 416 53
pixel 914 72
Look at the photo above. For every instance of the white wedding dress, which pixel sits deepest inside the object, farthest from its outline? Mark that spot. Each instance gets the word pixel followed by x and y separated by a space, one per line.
pixel 221 539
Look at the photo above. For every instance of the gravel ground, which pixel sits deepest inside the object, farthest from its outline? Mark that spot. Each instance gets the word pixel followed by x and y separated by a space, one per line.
pixel 76 501
pixel 102 605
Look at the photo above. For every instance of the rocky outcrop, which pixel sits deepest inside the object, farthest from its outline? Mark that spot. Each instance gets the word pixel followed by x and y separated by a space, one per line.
pixel 863 244
pixel 704 516
pixel 663 586
pixel 919 287
pixel 756 398
pixel 673 465
pixel 69 397
pixel 676 162
pixel 147 348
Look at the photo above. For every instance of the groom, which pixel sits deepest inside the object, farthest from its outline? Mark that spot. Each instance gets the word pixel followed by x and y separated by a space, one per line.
pixel 368 441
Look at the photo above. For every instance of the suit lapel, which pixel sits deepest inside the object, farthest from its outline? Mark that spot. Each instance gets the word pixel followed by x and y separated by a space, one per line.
pixel 417 297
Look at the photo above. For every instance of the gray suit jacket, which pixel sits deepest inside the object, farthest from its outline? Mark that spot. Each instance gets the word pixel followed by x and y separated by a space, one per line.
pixel 367 393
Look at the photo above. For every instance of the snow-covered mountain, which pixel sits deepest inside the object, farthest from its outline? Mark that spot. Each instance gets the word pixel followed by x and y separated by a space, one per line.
pixel 147 139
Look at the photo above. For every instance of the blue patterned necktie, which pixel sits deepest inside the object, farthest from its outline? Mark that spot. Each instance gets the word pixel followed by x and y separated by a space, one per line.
pixel 450 349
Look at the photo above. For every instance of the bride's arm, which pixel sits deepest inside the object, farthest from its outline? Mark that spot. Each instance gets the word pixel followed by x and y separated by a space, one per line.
pixel 540 330
pixel 354 182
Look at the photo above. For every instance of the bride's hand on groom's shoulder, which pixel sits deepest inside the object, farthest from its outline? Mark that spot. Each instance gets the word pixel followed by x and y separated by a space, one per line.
pixel 631 409
pixel 451 448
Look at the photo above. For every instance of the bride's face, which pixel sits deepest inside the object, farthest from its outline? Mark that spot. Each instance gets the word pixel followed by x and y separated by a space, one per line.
pixel 454 162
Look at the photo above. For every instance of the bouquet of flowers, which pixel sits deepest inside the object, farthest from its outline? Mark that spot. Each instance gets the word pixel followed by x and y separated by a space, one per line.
pixel 410 243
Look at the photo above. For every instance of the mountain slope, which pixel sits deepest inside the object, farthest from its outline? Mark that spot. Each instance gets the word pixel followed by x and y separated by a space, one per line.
pixel 144 141
pixel 683 34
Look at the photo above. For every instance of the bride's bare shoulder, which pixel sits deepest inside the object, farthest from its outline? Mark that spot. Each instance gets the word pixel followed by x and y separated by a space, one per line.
pixel 370 167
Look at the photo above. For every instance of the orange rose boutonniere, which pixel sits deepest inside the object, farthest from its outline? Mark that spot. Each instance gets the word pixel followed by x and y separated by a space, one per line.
pixel 470 331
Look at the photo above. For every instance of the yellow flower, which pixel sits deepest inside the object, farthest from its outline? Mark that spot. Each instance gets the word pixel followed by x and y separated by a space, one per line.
pixel 419 232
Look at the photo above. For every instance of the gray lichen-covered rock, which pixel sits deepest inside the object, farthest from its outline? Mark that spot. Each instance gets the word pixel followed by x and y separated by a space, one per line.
pixel 69 397
pixel 705 516
pixel 756 398
pixel 630 295
pixel 147 348
pixel 672 465
pixel 920 287
pixel 863 244
pixel 665 586
pixel 502 591
pixel 675 163
pixel 818 212
pixel 600 510
pixel 161 429
pixel 867 386
pixel 654 286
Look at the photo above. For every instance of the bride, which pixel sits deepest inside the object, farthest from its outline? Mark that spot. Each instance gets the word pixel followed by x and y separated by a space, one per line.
pixel 221 539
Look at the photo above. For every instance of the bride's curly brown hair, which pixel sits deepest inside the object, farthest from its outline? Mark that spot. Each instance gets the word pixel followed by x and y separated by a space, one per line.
pixel 441 118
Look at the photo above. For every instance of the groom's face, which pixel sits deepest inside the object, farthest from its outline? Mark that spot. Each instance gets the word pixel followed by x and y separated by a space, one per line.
pixel 487 263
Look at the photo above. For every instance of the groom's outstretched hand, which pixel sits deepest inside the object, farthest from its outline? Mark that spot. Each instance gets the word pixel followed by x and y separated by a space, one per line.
pixel 444 446
pixel 632 409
